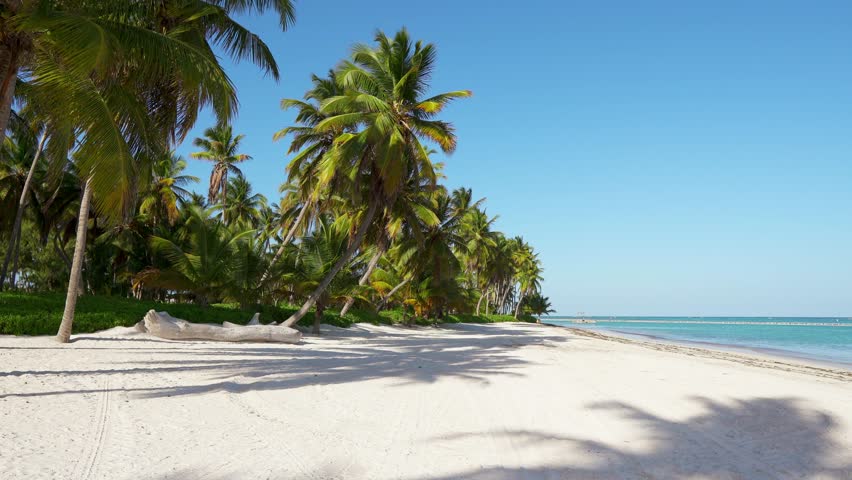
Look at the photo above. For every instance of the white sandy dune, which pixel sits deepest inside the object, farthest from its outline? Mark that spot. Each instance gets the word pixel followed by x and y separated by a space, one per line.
pixel 471 402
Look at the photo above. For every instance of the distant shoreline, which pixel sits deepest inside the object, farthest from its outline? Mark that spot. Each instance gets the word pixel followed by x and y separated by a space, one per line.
pixel 765 357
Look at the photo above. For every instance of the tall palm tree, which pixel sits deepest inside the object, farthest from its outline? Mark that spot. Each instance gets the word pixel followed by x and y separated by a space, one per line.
pixel 34 30
pixel 310 145
pixel 220 147
pixel 527 272
pixel 15 186
pixel 94 70
pixel 410 214
pixel 384 104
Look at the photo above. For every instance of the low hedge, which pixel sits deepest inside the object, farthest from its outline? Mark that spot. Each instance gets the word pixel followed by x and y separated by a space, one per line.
pixel 41 314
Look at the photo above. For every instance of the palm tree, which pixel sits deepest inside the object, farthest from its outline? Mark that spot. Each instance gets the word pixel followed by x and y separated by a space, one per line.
pixel 202 264
pixel 244 206
pixel 166 191
pixel 538 304
pixel 16 185
pixel 383 104
pixel 430 256
pixel 311 145
pixel 479 243
pixel 100 70
pixel 528 272
pixel 316 255
pixel 78 32
pixel 220 147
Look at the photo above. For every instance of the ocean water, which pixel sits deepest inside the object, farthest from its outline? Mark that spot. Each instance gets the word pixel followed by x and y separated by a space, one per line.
pixel 821 339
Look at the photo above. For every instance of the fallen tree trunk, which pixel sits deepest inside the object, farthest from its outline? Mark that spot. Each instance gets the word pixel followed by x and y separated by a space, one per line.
pixel 163 325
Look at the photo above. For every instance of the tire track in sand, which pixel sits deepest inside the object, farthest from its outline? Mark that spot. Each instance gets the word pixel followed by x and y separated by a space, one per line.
pixel 102 418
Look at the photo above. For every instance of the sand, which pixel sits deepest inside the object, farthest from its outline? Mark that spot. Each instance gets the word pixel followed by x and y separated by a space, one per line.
pixel 510 401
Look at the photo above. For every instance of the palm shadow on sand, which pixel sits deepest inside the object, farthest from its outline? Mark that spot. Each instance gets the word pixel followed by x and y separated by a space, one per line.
pixel 755 439
pixel 404 356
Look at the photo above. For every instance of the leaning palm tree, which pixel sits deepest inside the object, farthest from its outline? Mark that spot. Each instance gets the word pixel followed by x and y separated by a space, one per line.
pixel 310 145
pixel 15 180
pixel 95 69
pixel 220 147
pixel 31 30
pixel 384 105
pixel 315 256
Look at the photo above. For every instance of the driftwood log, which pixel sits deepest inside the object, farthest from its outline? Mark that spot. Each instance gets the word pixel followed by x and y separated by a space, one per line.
pixel 163 325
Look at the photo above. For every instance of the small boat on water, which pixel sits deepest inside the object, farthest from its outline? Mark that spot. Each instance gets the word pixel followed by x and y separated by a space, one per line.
pixel 581 318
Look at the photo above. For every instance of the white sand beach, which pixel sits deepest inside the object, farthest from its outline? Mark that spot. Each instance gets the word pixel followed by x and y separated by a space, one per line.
pixel 508 401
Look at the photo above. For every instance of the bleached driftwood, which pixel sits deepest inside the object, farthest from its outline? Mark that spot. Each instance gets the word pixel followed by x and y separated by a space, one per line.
pixel 163 325
pixel 255 320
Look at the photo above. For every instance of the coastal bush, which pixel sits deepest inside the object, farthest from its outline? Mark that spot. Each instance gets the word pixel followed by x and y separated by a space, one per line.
pixel 41 313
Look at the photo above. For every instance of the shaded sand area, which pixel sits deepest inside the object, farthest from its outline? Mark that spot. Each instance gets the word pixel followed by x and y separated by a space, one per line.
pixel 510 401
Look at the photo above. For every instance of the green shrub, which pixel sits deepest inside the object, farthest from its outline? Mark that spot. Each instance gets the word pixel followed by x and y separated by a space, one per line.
pixel 41 313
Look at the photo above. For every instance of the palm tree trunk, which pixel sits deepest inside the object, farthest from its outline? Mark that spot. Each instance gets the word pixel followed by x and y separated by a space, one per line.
pixel 22 203
pixel 318 318
pixel 287 239
pixel 13 275
pixel 503 299
pixel 387 297
pixel 61 252
pixel 225 198
pixel 479 302
pixel 64 334
pixel 520 301
pixel 8 78
pixel 382 248
pixel 356 242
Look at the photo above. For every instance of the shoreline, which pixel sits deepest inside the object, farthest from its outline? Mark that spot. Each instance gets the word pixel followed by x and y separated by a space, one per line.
pixel 765 352
pixel 744 356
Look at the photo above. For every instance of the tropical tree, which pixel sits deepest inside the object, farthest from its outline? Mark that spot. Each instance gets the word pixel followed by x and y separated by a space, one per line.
pixel 15 185
pixel 201 262
pixel 537 304
pixel 527 272
pixel 316 255
pixel 94 71
pixel 220 147
pixel 384 104
pixel 244 207
pixel 310 145
pixel 166 190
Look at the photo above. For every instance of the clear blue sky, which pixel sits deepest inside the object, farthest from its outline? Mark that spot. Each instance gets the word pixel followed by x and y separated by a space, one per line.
pixel 666 158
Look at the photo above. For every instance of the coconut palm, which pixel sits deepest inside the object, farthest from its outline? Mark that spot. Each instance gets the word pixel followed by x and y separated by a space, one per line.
pixel 220 147
pixel 166 190
pixel 310 146
pixel 527 272
pixel 15 180
pixel 244 206
pixel 537 304
pixel 202 264
pixel 316 255
pixel 76 31
pixel 94 71
pixel 384 103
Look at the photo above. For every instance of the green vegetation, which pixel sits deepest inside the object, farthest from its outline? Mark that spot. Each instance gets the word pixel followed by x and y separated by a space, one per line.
pixel 95 200
pixel 41 313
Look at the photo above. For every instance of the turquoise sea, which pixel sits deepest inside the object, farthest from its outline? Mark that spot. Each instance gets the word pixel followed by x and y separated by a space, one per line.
pixel 821 339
